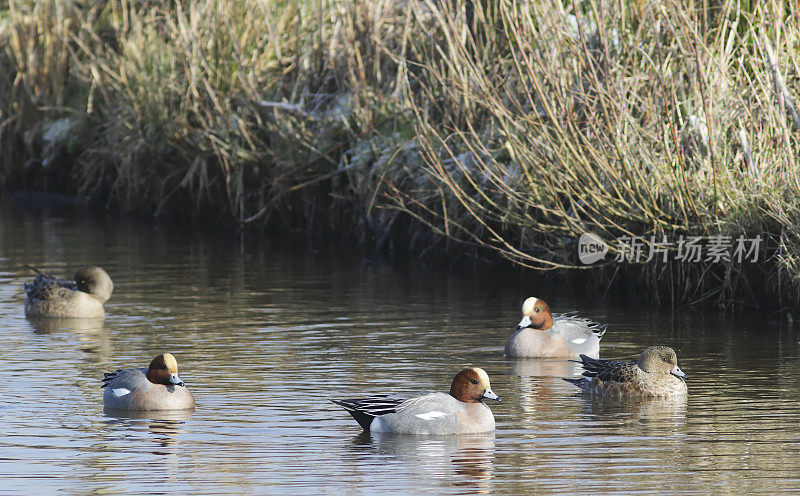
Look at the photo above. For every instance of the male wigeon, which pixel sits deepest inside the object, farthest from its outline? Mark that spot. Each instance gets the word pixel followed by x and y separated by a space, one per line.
pixel 460 412
pixel 81 297
pixel 541 334
pixel 157 387
pixel 655 373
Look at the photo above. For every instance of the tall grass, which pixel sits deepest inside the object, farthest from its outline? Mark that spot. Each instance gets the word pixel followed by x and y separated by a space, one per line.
pixel 620 120
pixel 508 126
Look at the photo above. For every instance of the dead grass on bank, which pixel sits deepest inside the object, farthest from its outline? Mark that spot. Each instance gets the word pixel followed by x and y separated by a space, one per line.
pixel 588 118
pixel 516 132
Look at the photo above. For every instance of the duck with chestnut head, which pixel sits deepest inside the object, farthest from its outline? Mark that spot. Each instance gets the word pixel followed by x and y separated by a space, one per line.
pixel 541 334
pixel 461 411
pixel 158 387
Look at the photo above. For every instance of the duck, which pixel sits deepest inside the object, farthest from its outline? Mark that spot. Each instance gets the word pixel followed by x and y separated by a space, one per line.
pixel 81 297
pixel 654 374
pixel 462 411
pixel 541 334
pixel 158 387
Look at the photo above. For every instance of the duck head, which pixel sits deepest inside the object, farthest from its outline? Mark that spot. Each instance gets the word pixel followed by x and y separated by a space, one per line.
pixel 535 314
pixel 471 385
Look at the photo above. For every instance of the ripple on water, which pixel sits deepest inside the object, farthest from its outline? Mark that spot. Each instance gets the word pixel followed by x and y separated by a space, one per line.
pixel 266 333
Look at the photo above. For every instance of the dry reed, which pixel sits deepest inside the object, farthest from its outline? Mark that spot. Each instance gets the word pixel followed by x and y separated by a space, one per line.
pixel 508 126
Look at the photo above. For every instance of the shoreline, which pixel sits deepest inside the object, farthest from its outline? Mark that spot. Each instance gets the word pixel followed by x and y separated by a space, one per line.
pixel 621 283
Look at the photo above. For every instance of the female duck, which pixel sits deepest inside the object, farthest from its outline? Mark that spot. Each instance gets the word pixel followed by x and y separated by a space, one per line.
pixel 655 373
pixel 543 335
pixel 460 412
pixel 157 387
pixel 82 297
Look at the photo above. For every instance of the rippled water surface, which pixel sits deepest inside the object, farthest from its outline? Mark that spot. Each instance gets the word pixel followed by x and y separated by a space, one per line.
pixel 265 331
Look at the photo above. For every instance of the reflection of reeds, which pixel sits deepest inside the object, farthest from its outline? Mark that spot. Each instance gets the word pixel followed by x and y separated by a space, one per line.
pixel 514 126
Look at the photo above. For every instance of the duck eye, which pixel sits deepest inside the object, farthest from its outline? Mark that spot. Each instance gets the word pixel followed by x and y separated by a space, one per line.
pixel 473 381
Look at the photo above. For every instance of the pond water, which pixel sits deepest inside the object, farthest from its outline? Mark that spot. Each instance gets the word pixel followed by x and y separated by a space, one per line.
pixel 266 331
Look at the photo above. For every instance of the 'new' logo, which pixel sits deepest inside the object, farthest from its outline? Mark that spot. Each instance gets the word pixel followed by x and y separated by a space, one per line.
pixel 591 248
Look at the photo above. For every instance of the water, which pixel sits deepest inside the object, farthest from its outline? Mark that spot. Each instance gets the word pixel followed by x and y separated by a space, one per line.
pixel 266 331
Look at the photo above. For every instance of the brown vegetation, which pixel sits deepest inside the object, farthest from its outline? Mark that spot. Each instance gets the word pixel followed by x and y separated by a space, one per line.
pixel 512 126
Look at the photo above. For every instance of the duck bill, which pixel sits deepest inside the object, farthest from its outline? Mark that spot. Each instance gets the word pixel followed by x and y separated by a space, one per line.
pixel 677 372
pixel 174 379
pixel 489 394
pixel 525 322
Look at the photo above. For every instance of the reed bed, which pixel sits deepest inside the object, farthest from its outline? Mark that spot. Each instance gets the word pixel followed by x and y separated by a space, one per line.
pixel 495 127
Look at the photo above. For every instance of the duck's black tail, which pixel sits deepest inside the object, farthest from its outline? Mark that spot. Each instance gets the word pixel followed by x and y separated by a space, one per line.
pixel 363 419
pixel 364 410
pixel 591 366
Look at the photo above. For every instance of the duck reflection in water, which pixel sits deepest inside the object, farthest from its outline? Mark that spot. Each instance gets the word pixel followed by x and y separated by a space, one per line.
pixel 466 461
pixel 636 408
pixel 91 333
pixel 539 380
pixel 164 426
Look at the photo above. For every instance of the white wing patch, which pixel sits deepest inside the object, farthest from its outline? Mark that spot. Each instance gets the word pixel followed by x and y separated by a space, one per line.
pixel 579 341
pixel 120 392
pixel 430 415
